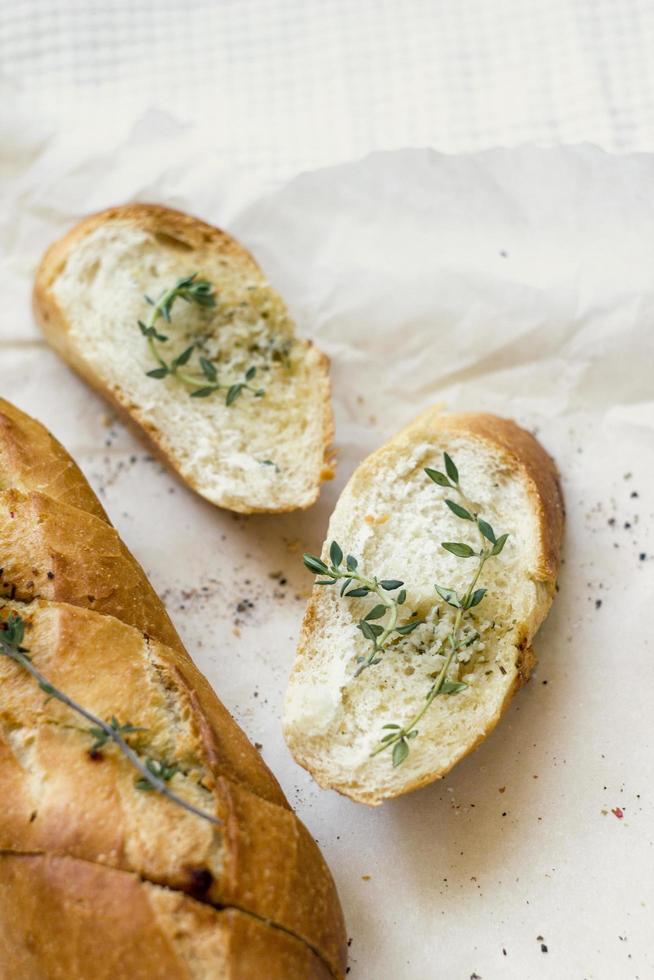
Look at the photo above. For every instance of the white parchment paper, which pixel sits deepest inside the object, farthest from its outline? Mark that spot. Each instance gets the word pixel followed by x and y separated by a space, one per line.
pixel 519 282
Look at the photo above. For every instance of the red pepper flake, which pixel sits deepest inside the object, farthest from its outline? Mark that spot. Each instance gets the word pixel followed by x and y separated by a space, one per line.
pixel 617 812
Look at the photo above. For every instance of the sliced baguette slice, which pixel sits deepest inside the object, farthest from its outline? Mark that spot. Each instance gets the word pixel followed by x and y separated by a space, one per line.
pixel 257 454
pixel 392 518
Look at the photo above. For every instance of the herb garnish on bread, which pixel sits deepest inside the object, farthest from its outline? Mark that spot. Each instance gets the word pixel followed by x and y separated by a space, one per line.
pixel 104 296
pixel 420 515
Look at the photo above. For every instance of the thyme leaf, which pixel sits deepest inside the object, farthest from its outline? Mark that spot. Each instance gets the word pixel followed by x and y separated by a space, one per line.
pixel 101 737
pixel 400 751
pixel 459 549
pixel 451 469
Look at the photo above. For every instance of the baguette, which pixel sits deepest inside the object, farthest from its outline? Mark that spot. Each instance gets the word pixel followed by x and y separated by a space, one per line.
pixel 265 454
pixel 77 838
pixel 394 519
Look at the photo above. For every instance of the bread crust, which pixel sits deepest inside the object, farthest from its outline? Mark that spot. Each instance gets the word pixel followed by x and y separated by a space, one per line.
pixel 68 552
pixel 117 925
pixel 190 233
pixel 524 455
pixel 99 631
pixel 32 459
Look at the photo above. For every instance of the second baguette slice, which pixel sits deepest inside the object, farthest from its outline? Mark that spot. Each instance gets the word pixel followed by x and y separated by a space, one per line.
pixel 394 520
pixel 257 454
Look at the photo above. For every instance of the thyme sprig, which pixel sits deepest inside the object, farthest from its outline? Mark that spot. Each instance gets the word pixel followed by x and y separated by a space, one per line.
pixel 399 736
pixel 387 608
pixel 198 291
pixel 154 773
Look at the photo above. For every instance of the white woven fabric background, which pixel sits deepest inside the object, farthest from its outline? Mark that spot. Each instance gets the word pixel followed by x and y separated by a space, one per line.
pixel 284 85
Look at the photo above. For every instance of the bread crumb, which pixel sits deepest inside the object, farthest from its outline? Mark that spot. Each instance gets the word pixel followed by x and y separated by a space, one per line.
pixel 328 471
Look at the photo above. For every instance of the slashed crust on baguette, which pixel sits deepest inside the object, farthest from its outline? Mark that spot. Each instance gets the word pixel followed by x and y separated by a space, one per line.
pixel 394 519
pixel 119 925
pixel 51 548
pixel 115 650
pixel 259 455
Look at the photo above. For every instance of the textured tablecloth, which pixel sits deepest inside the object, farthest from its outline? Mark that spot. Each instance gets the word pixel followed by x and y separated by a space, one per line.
pixel 284 85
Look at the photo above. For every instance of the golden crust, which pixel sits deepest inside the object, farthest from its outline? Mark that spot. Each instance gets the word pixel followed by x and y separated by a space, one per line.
pixel 86 622
pixel 67 800
pixel 52 550
pixel 32 459
pixel 189 233
pixel 66 919
pixel 523 454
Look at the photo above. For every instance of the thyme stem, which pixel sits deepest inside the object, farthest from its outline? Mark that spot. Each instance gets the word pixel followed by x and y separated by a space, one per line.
pixel 398 736
pixel 378 634
pixel 454 641
pixel 10 639
pixel 378 642
pixel 164 302
pixel 192 290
